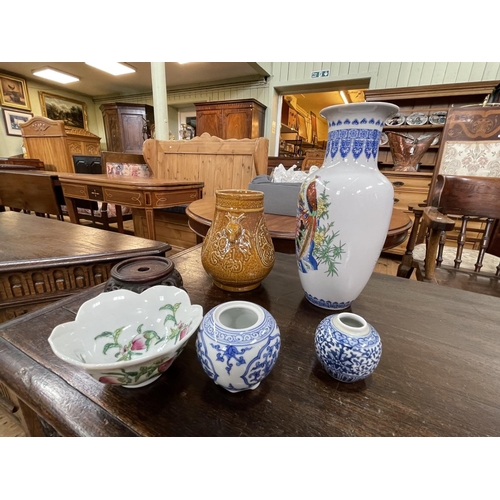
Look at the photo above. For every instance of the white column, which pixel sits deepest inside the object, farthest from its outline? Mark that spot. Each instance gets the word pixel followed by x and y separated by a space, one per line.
pixel 159 83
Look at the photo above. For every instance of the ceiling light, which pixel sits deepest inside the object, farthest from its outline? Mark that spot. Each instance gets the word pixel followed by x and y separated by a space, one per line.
pixel 55 75
pixel 113 68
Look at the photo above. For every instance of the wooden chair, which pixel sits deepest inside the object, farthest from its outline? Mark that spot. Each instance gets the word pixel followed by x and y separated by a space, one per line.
pixel 468 199
pixel 313 157
pixel 30 191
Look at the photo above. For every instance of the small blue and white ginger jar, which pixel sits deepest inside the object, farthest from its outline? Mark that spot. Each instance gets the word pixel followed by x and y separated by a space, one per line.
pixel 238 344
pixel 347 346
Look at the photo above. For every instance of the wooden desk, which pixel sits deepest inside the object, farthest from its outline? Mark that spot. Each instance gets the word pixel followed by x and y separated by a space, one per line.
pixel 282 227
pixel 140 193
pixel 43 260
pixel 439 374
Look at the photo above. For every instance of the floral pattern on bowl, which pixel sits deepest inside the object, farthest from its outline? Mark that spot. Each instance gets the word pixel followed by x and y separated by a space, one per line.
pixel 121 337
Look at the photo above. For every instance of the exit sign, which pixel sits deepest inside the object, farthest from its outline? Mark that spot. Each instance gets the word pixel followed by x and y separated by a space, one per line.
pixel 320 74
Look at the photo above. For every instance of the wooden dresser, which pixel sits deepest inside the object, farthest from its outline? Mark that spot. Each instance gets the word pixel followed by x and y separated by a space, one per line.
pixel 237 119
pixel 412 188
pixel 54 143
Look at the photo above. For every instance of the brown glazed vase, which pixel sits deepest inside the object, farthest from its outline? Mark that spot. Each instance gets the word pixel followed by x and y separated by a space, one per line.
pixel 238 252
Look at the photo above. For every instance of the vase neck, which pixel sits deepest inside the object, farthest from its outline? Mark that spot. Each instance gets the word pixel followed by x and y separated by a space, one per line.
pixel 356 140
pixel 354 131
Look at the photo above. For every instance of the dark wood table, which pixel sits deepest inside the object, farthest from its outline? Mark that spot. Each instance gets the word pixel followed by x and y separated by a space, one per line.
pixel 282 227
pixel 439 374
pixel 136 192
pixel 43 260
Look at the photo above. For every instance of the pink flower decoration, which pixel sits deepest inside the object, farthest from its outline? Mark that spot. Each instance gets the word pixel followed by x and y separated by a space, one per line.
pixel 183 330
pixel 138 344
pixel 109 380
pixel 165 366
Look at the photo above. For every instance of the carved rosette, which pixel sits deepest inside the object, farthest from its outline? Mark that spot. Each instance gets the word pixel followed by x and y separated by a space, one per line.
pixel 238 251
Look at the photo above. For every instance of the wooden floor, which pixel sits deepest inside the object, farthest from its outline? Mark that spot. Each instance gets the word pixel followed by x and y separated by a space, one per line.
pixel 387 264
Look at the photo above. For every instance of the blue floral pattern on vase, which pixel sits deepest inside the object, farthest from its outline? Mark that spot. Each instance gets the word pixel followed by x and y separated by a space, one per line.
pixel 360 137
pixel 238 359
pixel 345 357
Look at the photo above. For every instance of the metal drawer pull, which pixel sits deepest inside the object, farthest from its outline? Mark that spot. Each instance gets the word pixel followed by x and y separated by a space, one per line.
pixel 396 200
pixel 398 183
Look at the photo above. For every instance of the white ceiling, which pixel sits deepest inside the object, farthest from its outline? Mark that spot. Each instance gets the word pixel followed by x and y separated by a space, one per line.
pixel 97 83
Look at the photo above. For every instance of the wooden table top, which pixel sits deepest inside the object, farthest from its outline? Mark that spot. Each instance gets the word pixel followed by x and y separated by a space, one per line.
pixel 282 227
pixel 26 240
pixel 126 181
pixel 439 374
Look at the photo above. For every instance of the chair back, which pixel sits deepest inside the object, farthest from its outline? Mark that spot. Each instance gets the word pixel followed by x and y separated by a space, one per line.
pixel 468 195
pixel 30 191
pixel 470 144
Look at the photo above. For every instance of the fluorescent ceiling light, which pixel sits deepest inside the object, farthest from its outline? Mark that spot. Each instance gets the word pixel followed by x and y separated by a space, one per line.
pixel 55 75
pixel 113 68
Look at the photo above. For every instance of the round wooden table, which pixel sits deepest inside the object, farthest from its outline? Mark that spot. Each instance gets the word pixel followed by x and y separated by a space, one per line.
pixel 282 227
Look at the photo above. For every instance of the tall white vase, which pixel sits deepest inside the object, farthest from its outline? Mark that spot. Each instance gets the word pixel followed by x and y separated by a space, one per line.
pixel 344 208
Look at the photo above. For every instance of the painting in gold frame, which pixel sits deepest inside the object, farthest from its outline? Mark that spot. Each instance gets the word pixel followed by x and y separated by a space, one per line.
pixel 72 112
pixel 14 92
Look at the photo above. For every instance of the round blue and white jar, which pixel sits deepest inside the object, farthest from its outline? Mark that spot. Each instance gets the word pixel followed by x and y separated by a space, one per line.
pixel 347 346
pixel 238 344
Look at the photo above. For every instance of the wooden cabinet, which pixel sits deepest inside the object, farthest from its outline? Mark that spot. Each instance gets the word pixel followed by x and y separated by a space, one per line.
pixel 124 124
pixel 240 119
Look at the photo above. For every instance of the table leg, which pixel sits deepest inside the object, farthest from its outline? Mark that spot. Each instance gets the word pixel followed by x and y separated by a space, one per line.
pixel 72 210
pixel 150 223
pixel 119 218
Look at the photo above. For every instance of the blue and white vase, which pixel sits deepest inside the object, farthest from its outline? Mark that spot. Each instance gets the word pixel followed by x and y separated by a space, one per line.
pixel 348 348
pixel 344 208
pixel 238 344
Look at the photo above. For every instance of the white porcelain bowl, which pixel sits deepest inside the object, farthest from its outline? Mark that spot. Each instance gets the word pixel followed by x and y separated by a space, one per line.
pixel 125 338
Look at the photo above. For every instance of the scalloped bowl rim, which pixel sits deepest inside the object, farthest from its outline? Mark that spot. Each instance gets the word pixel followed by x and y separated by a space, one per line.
pixel 87 307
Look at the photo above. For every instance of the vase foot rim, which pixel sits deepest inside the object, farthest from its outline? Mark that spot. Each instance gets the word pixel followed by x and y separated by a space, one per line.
pixel 142 384
pixel 231 288
pixel 234 391
pixel 326 304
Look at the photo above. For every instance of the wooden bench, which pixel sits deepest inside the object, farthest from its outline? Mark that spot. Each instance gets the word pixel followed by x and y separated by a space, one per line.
pixel 218 163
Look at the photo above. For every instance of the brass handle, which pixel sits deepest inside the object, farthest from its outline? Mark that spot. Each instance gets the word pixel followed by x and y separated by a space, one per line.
pixel 398 183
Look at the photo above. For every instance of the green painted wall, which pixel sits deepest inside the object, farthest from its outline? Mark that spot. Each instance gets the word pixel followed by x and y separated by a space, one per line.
pixel 285 77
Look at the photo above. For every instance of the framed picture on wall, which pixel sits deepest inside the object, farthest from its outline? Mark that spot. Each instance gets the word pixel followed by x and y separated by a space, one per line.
pixel 56 107
pixel 14 92
pixel 13 120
